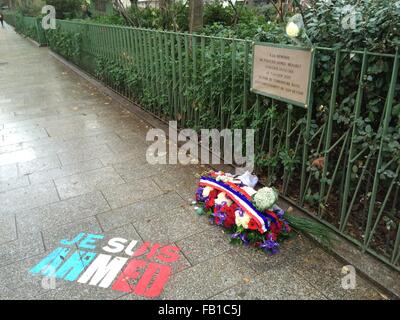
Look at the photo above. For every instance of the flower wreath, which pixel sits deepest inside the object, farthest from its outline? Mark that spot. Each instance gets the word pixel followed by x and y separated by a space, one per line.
pixel 251 217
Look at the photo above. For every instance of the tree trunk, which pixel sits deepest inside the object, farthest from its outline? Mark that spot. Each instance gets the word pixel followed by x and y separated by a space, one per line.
pixel 195 15
pixel 164 6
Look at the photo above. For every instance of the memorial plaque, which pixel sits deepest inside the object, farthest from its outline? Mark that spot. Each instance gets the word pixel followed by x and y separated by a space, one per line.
pixel 282 73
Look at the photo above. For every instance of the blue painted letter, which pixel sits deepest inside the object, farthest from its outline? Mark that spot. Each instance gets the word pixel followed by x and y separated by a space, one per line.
pixel 75 240
pixel 74 266
pixel 90 238
pixel 49 264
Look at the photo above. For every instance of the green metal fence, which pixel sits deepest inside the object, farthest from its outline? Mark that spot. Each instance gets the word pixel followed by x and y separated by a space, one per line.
pixel 28 26
pixel 10 17
pixel 339 159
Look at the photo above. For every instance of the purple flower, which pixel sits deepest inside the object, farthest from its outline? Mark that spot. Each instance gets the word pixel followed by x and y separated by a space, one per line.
pixel 278 211
pixel 240 212
pixel 199 195
pixel 270 246
pixel 221 216
pixel 241 236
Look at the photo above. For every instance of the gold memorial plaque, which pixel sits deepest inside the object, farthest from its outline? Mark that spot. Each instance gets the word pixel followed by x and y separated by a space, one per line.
pixel 282 73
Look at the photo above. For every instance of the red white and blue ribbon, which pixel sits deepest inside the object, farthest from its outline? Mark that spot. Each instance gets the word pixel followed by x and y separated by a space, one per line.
pixel 241 198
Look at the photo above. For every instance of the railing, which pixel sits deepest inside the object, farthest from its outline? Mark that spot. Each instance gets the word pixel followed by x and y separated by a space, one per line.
pixel 10 18
pixel 339 159
pixel 28 26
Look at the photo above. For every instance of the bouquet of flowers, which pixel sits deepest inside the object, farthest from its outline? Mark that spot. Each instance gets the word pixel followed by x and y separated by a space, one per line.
pixel 252 217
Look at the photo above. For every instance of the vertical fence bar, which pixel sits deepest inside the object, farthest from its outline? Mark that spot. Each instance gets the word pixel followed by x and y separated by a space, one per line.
pixel 388 113
pixel 187 77
pixel 174 95
pixel 328 133
pixel 221 79
pixel 194 81
pixel 180 80
pixel 357 110
pixel 306 134
pixel 245 81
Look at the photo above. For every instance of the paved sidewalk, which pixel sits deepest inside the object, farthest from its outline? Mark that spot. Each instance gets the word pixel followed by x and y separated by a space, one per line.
pixel 72 160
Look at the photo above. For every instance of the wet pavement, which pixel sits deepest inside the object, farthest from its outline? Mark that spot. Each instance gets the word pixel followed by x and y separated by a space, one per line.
pixel 73 161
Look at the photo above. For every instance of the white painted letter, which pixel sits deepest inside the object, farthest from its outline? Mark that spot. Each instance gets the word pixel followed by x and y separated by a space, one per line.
pixel 101 269
pixel 115 245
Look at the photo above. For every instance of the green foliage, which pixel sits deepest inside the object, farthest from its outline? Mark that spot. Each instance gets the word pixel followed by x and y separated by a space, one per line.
pixel 67 8
pixel 114 19
pixel 216 13
pixel 376 24
pixel 310 227
pixel 29 9
pixel 67 44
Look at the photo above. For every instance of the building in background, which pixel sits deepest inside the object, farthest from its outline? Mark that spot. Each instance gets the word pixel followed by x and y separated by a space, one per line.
pixel 105 6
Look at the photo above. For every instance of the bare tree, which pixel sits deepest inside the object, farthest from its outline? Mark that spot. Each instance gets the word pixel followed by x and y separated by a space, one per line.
pixel 123 12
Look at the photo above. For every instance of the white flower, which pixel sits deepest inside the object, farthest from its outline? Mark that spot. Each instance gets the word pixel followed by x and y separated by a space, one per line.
pixel 227 177
pixel 265 198
pixel 222 198
pixel 206 191
pixel 248 179
pixel 242 220
pixel 250 191
pixel 292 30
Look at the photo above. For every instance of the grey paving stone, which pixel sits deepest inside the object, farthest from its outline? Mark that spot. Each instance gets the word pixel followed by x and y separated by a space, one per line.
pixel 79 291
pixel 86 182
pixel 8 172
pixel 22 136
pixel 171 226
pixel 363 291
pixel 217 275
pixel 23 247
pixel 205 245
pixel 113 158
pixel 8 229
pixel 136 144
pixel 322 271
pixel 182 179
pixel 64 171
pixel 103 138
pixel 53 235
pixel 28 197
pixel 125 194
pixel 14 183
pixel 17 156
pixel 133 170
pixel 24 285
pixel 39 164
pixel 282 284
pixel 140 210
pixel 90 127
pixel 10 148
pixel 290 252
pixel 61 213
pixel 8 294
pixel 88 153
